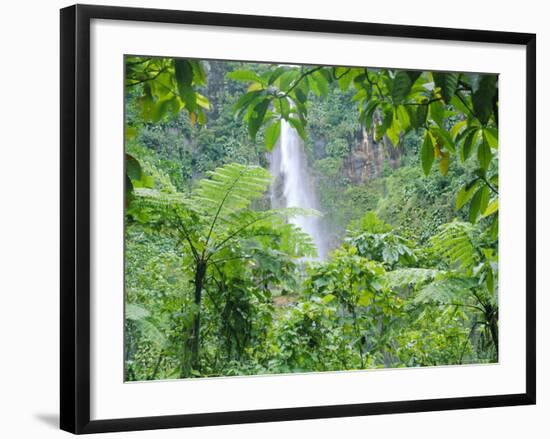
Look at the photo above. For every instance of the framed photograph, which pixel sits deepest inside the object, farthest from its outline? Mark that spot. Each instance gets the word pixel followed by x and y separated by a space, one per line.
pixel 268 219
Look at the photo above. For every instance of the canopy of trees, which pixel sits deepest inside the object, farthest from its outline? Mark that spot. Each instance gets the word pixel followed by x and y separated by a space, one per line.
pixel 220 283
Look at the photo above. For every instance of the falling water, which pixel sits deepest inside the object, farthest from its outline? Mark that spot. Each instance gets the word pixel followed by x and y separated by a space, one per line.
pixel 293 185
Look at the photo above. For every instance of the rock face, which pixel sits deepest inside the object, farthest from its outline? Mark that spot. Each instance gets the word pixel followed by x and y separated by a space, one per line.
pixel 366 160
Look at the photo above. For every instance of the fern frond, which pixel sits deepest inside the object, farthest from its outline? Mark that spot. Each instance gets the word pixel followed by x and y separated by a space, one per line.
pixel 153 197
pixel 218 213
pixel 410 276
pixel 446 290
pixel 152 333
pixel 231 188
pixel 271 226
pixel 455 243
pixel 135 312
pixel 141 317
pixel 295 242
pixel 162 205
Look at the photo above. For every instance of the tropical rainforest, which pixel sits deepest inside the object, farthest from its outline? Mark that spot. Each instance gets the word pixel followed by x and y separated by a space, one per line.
pixel 221 280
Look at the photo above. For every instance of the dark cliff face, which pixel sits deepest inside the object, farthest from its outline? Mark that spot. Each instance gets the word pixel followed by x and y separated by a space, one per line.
pixel 367 157
pixel 365 161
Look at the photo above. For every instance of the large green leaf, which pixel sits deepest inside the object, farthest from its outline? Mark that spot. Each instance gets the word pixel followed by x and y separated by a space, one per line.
pixel 199 75
pixel 387 119
pixel 184 78
pixel 413 75
pixel 133 168
pixel 471 139
pixel 491 136
pixel 274 75
pixel 367 113
pixel 160 109
pixel 189 97
pixel 245 76
pixel 257 117
pixel 322 83
pixel 492 208
pixel 272 133
pixel 427 153
pixel 484 154
pixel 437 113
pixel 401 85
pixel 184 74
pixel 394 131
pixel 345 76
pixel 479 203
pixel 466 193
pixel 443 138
pixel 444 161
pixel 288 78
pixel 403 117
pixel 417 114
pixel 447 82
pixel 459 104
pixel 298 126
pixel 247 99
pixel 482 98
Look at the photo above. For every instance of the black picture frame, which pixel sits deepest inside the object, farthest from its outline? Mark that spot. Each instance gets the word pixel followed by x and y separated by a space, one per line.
pixel 75 217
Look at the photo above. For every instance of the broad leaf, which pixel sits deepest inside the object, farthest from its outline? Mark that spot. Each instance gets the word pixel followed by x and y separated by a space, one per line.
pixel 427 153
pixel 272 133
pixel 482 98
pixel 437 113
pixel 465 194
pixel 133 168
pixel 401 85
pixel 246 76
pixel 484 154
pixel 471 140
pixel 257 117
pixel 447 82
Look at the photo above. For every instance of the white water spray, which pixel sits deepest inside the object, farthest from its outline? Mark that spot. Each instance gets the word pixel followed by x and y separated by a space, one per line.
pixel 293 185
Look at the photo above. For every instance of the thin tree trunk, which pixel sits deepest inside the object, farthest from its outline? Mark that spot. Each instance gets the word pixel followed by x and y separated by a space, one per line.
pixel 358 336
pixel 193 341
pixel 157 366
pixel 195 335
pixel 493 328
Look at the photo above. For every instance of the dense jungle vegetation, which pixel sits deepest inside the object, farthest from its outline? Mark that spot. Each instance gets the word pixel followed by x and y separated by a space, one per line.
pixel 218 282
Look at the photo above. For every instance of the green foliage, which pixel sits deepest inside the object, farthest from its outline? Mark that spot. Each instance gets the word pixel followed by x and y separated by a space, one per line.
pixel 390 103
pixel 215 224
pixel 375 240
pixel 218 283
pixel 427 153
pixel 167 85
pixel 454 243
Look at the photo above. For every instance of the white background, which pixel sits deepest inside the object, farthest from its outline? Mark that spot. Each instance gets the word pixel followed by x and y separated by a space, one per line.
pixel 29 247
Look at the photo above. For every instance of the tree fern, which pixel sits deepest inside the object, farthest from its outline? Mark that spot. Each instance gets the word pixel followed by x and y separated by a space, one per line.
pixel 410 277
pixel 213 221
pixel 454 243
pixel 230 189
pixel 447 290
pixel 217 213
pixel 142 318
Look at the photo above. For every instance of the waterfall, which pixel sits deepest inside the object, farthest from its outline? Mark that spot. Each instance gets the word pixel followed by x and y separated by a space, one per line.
pixel 293 186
